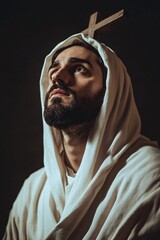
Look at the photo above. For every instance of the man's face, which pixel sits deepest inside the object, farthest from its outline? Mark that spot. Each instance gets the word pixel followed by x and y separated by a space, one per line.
pixel 76 88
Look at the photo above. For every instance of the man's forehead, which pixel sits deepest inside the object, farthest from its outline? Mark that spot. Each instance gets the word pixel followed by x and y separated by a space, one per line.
pixel 75 52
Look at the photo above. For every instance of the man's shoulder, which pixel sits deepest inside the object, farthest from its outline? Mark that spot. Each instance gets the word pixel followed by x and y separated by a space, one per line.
pixel 142 163
pixel 36 174
pixel 146 154
pixel 32 186
pixel 145 163
pixel 140 176
pixel 36 177
pixel 33 181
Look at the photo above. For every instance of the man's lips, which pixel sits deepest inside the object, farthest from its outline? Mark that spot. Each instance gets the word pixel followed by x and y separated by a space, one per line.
pixel 58 91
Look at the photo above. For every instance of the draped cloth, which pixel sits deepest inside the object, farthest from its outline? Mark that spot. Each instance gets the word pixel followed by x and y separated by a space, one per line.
pixel 115 194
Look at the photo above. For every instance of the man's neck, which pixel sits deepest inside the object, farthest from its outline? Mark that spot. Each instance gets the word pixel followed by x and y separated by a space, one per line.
pixel 74 140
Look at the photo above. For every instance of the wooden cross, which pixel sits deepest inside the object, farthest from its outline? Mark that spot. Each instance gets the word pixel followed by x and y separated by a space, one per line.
pixel 93 26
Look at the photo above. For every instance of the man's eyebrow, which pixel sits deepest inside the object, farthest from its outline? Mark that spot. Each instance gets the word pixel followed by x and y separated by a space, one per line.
pixel 71 60
pixel 76 60
pixel 54 63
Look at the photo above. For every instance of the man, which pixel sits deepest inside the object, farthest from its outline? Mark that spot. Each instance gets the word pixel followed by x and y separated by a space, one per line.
pixel 101 177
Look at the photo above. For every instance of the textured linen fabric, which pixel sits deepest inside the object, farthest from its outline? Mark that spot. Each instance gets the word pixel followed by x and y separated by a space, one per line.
pixel 115 194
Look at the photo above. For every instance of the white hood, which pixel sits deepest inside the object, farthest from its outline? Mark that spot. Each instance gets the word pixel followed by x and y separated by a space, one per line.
pixel 116 130
pixel 115 194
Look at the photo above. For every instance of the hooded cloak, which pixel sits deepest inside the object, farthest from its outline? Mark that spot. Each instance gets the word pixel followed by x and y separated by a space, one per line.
pixel 115 194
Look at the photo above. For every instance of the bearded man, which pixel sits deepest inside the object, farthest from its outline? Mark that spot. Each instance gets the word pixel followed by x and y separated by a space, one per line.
pixel 101 176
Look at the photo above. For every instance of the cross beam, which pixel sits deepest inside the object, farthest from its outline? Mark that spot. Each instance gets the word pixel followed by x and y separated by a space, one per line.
pixel 93 26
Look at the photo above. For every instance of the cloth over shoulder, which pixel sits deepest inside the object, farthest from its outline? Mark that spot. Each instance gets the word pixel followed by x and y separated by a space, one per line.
pixel 115 194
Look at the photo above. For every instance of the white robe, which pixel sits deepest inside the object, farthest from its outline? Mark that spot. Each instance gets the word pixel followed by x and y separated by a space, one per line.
pixel 115 194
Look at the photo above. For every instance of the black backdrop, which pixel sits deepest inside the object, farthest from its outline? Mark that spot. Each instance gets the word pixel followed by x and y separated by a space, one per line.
pixel 28 32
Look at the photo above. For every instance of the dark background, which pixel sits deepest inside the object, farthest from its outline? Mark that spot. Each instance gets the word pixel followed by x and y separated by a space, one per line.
pixel 28 32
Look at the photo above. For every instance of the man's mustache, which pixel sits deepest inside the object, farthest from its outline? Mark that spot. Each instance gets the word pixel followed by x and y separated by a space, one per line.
pixel 60 86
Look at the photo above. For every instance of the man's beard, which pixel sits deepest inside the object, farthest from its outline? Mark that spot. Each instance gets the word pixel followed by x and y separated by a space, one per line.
pixel 77 112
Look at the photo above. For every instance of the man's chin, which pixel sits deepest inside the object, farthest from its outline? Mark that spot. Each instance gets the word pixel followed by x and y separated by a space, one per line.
pixel 55 101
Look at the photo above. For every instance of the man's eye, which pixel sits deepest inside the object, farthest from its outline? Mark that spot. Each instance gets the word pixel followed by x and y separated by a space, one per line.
pixel 80 69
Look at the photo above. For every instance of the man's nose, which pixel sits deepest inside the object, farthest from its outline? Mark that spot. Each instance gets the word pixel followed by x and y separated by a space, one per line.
pixel 61 75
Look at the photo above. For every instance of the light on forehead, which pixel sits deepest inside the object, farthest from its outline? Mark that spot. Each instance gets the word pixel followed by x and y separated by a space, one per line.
pixel 75 42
